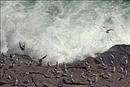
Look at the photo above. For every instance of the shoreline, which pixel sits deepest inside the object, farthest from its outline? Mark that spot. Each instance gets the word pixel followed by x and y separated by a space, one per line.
pixel 109 69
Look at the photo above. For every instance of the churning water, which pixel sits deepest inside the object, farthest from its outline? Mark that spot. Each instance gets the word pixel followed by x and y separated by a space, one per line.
pixel 64 30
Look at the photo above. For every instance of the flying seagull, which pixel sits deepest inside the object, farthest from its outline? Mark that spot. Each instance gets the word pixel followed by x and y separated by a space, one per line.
pixel 107 30
pixel 22 46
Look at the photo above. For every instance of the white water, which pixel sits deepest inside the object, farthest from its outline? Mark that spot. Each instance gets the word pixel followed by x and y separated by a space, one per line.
pixel 64 30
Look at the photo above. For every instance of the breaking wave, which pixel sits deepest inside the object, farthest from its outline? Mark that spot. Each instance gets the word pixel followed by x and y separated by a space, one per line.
pixel 65 31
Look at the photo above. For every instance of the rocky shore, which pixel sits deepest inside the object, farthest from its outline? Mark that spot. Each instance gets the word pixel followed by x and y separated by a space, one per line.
pixel 109 69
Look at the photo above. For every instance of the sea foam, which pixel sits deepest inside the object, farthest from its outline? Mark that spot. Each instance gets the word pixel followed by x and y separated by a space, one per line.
pixel 65 31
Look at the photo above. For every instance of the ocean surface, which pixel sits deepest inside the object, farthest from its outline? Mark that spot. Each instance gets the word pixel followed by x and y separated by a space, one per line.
pixel 65 31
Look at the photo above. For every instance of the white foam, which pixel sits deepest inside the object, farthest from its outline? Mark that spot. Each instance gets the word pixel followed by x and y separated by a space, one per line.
pixel 65 31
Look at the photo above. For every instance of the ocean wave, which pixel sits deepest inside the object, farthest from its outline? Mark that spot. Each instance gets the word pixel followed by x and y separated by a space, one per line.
pixel 63 30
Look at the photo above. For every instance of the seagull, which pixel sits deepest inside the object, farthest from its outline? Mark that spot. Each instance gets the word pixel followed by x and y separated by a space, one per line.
pixel 40 60
pixel 22 46
pixel 107 30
